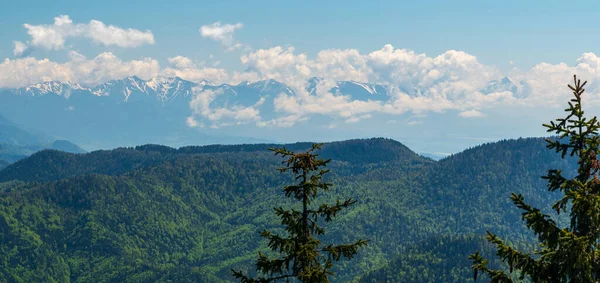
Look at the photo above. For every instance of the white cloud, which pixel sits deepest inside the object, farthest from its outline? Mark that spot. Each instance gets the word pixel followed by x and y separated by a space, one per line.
pixel 53 36
pixel 106 66
pixel 280 64
pixel 113 35
pixel 548 81
pixel 470 114
pixel 191 122
pixel 417 83
pixel 283 121
pixel 340 65
pixel 221 116
pixel 358 118
pixel 20 49
pixel 181 62
pixel 222 33
pixel 186 69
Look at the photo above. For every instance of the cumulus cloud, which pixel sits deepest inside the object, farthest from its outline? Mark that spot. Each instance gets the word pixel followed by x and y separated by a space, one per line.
pixel 220 116
pixel 358 118
pixel 21 49
pixel 186 69
pixel 547 81
pixel 191 122
pixel 414 83
pixel 106 66
pixel 451 73
pixel 278 63
pixel 222 33
pixel 53 36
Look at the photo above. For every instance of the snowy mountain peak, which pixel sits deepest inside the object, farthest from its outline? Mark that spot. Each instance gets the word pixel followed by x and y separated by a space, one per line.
pixel 43 88
pixel 501 85
pixel 165 89
pixel 519 88
pixel 266 85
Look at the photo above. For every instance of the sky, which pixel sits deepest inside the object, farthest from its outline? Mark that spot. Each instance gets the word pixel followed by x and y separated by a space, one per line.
pixel 439 54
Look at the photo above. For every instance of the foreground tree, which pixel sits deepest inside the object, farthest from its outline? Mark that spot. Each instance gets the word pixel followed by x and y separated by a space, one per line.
pixel 567 254
pixel 302 256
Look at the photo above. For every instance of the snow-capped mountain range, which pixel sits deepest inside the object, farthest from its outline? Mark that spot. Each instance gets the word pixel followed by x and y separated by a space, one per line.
pixel 164 88
pixel 134 111
pixel 168 88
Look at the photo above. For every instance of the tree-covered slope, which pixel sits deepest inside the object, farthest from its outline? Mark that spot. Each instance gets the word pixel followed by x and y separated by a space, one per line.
pixel 437 259
pixel 469 193
pixel 165 209
pixel 67 146
pixel 50 165
pixel 157 213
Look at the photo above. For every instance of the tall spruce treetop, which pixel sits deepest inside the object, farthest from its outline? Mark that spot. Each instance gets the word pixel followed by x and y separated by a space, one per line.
pixel 302 256
pixel 568 254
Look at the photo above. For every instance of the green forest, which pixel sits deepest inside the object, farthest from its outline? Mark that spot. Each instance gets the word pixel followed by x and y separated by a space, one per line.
pixel 155 213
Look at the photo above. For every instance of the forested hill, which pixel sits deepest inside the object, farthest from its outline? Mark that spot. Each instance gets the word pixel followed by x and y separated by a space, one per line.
pixel 191 214
pixel 48 165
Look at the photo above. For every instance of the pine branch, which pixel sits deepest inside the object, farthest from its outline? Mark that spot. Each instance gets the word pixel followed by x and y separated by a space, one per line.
pixel 541 224
pixel 346 250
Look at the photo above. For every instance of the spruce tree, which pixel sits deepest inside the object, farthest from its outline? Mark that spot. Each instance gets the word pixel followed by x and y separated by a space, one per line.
pixel 569 254
pixel 301 254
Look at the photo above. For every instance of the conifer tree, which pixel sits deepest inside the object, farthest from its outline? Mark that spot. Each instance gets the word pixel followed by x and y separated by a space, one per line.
pixel 569 254
pixel 301 255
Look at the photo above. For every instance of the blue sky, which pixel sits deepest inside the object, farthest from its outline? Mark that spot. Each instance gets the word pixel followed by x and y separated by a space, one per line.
pixel 525 32
pixel 444 58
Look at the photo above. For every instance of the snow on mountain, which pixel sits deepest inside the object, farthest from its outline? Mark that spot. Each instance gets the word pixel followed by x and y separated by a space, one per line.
pixel 126 86
pixel 163 88
pixel 363 91
pixel 367 87
pixel 132 111
pixel 42 88
pixel 517 88
pixel 166 89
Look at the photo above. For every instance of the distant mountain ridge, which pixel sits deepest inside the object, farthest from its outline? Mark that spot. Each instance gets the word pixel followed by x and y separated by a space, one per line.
pixel 132 111
pixel 17 143
pixel 167 88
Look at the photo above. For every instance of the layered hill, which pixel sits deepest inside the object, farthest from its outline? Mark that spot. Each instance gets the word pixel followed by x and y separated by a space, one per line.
pixel 17 143
pixel 191 214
